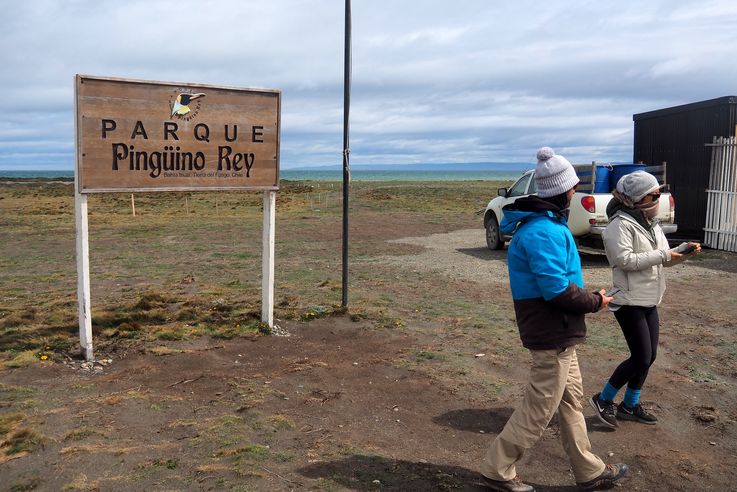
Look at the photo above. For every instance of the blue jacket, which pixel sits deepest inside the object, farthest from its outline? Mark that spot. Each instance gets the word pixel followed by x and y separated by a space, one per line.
pixel 545 276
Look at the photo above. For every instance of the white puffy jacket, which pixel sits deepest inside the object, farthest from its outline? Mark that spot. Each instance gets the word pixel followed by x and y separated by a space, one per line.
pixel 637 257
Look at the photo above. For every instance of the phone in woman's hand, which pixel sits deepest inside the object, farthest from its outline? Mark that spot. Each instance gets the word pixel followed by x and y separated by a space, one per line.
pixel 685 248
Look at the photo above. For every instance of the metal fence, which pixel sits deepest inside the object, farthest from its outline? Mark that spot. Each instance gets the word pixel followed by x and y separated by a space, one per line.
pixel 721 211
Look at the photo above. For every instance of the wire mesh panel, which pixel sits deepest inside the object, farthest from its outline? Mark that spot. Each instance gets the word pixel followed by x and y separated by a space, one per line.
pixel 721 211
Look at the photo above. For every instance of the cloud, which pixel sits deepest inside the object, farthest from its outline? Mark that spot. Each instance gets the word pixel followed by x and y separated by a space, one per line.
pixel 432 82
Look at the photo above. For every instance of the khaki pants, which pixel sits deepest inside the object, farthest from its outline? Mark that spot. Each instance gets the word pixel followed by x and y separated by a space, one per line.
pixel 555 384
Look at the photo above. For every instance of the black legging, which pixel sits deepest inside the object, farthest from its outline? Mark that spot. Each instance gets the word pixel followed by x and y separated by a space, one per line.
pixel 641 327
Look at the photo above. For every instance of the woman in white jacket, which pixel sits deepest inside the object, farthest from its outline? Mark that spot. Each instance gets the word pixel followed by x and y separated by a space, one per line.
pixel 637 250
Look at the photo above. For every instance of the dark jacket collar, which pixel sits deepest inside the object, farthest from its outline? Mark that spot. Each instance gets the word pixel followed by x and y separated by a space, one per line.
pixel 533 203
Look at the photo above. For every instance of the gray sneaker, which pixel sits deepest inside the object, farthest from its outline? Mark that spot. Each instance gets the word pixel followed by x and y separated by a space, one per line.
pixel 638 414
pixel 514 485
pixel 606 480
pixel 605 410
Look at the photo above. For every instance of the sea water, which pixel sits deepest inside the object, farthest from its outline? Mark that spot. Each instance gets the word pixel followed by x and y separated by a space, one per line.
pixel 334 175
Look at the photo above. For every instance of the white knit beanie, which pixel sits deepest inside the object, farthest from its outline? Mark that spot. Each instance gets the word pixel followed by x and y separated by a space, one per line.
pixel 637 184
pixel 554 174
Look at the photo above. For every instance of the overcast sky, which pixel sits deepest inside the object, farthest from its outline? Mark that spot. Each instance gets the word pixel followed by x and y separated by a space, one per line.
pixel 433 81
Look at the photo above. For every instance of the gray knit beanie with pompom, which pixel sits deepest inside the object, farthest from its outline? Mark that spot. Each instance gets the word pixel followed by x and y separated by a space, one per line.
pixel 554 174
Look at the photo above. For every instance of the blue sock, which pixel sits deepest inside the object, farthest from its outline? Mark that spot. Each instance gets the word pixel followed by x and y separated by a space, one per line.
pixel 609 392
pixel 631 397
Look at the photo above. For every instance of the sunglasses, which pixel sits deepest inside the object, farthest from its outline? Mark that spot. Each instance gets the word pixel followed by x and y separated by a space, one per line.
pixel 654 196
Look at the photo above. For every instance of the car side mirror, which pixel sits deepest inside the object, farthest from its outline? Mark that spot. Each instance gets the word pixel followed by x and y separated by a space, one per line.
pixel 502 192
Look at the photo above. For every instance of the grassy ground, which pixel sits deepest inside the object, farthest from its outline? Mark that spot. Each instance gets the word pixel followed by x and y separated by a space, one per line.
pixel 189 264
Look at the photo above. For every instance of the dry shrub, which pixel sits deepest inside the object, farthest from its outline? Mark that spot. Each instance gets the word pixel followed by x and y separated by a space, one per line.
pixel 8 422
pixel 21 442
pixel 150 300
pixel 19 318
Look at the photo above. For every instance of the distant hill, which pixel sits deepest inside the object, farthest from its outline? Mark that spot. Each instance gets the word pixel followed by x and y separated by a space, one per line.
pixel 454 166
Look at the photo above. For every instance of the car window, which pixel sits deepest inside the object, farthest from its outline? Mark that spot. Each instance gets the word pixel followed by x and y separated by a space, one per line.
pixel 533 187
pixel 520 187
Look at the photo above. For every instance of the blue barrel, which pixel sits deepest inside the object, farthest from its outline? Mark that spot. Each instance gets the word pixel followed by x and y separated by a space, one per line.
pixel 601 180
pixel 619 170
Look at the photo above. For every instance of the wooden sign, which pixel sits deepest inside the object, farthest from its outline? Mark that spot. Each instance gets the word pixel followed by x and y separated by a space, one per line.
pixel 160 136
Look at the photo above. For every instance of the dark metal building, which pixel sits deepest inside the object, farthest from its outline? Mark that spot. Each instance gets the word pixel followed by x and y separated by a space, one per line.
pixel 678 135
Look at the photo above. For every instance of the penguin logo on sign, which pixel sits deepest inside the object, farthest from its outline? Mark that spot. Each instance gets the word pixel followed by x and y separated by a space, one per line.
pixel 186 105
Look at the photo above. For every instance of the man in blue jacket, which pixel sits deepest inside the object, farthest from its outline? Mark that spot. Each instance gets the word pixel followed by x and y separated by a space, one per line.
pixel 550 304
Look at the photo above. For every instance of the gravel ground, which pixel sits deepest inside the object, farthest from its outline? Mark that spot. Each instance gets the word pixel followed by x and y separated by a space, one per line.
pixel 463 254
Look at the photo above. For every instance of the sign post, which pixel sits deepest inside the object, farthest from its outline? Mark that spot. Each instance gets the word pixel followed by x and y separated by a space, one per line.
pixel 141 136
pixel 267 274
pixel 83 275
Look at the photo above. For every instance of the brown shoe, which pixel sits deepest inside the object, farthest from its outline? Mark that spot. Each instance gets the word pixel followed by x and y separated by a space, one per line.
pixel 514 485
pixel 606 480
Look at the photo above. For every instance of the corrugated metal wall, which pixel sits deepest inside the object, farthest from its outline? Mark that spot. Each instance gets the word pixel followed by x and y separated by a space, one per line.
pixel 677 136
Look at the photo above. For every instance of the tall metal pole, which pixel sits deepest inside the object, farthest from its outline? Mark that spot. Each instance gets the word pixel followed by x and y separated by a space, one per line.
pixel 346 147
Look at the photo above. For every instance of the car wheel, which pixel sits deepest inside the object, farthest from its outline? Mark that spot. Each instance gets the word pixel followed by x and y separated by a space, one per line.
pixel 493 237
